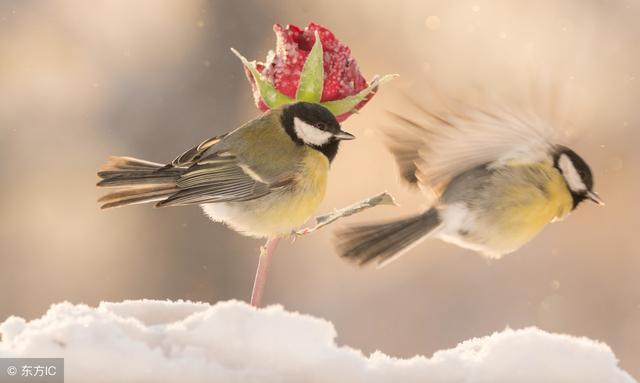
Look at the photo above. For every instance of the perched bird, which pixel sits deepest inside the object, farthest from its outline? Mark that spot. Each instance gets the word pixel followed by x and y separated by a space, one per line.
pixel 494 177
pixel 263 179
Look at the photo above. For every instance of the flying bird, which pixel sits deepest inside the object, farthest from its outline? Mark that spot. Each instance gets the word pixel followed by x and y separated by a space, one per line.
pixel 494 175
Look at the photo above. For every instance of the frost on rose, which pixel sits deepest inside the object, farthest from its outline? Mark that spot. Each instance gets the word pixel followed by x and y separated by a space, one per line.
pixel 312 65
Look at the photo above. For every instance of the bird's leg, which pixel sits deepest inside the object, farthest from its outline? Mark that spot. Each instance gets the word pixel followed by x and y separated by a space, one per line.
pixel 266 252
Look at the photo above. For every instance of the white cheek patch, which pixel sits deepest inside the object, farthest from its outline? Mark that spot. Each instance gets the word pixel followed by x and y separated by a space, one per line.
pixel 570 174
pixel 310 134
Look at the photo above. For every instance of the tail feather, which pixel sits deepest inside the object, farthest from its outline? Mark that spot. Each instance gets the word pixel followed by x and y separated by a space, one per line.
pixel 386 241
pixel 140 181
pixel 136 195
pixel 129 178
pixel 129 163
pixel 127 171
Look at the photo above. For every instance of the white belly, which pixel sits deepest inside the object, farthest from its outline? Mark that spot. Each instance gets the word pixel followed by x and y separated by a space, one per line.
pixel 460 227
pixel 269 216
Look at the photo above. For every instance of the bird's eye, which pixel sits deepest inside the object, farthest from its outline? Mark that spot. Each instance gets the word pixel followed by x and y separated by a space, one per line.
pixel 321 125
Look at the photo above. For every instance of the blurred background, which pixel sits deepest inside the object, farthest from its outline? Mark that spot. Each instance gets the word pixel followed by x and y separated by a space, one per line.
pixel 80 81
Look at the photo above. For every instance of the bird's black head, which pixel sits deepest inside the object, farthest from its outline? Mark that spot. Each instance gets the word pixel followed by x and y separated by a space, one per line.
pixel 313 125
pixel 577 175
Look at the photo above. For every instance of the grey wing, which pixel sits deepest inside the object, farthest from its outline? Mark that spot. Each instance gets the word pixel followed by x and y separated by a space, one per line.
pixel 211 173
pixel 451 138
pixel 405 144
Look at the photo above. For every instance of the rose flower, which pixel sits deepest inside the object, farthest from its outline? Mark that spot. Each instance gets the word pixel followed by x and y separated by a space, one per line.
pixel 301 69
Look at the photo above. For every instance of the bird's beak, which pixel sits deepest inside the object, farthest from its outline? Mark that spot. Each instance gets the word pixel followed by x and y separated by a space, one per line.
pixel 595 197
pixel 342 135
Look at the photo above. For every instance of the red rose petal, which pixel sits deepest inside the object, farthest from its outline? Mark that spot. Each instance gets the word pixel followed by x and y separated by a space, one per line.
pixel 257 98
pixel 284 65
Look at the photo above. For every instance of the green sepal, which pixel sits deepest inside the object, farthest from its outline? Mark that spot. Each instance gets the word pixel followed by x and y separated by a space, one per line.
pixel 312 76
pixel 348 104
pixel 270 95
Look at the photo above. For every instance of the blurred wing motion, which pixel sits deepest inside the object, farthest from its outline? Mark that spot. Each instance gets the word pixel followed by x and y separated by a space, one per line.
pixel 443 142
pixel 204 174
pixel 448 139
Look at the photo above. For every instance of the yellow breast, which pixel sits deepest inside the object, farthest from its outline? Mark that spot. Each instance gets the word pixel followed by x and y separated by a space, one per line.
pixel 282 211
pixel 294 206
pixel 527 197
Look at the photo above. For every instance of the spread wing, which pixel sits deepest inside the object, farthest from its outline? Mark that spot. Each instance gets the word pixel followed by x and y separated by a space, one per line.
pixel 212 172
pixel 447 139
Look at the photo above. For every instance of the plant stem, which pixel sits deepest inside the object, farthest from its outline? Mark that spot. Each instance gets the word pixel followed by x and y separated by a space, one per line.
pixel 266 252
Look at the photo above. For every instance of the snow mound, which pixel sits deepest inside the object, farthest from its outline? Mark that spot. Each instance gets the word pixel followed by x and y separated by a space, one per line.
pixel 163 341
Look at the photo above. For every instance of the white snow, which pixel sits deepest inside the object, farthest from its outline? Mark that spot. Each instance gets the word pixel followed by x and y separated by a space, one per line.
pixel 163 341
